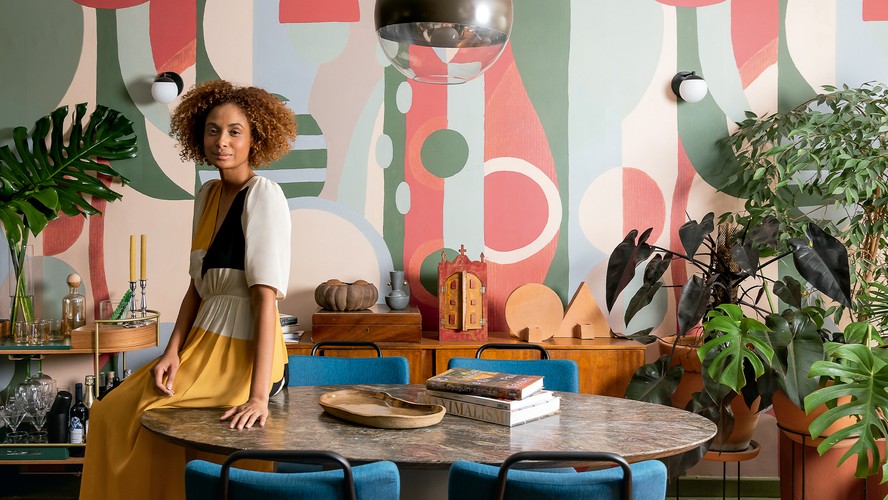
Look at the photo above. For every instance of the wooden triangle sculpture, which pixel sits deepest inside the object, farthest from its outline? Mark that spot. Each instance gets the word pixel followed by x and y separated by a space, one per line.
pixel 583 318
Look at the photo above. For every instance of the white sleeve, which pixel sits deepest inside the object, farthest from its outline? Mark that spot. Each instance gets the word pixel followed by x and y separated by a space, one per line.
pixel 266 223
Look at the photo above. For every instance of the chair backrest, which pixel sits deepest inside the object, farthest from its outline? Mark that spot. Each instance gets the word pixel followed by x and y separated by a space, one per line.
pixel 322 370
pixel 206 480
pixel 317 350
pixel 544 354
pixel 558 374
pixel 639 481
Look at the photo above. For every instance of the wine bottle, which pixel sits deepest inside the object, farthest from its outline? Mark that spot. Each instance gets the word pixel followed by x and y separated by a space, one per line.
pixel 78 421
pixel 109 384
pixel 90 388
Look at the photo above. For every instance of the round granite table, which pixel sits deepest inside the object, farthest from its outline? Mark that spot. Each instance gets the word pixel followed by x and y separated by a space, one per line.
pixel 637 431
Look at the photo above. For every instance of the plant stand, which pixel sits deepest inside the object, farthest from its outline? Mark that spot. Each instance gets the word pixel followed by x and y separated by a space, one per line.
pixel 804 473
pixel 733 456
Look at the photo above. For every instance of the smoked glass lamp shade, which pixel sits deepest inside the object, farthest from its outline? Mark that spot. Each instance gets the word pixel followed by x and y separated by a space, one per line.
pixel 443 41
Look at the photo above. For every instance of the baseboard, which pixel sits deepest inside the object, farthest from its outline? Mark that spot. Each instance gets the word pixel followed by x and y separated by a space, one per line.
pixel 750 487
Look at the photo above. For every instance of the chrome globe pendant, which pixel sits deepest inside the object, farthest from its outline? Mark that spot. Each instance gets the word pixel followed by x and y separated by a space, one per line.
pixel 443 41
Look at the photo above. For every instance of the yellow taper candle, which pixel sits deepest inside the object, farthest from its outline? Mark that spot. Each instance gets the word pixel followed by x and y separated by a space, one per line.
pixel 143 263
pixel 132 257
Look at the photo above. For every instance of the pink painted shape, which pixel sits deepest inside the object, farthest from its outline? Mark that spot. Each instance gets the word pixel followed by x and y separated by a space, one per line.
pixel 685 178
pixel 319 11
pixel 875 10
pixel 690 3
pixel 173 31
pixel 424 223
pixel 755 26
pixel 507 105
pixel 515 211
pixel 61 233
pixel 96 252
pixel 109 4
pixel 643 204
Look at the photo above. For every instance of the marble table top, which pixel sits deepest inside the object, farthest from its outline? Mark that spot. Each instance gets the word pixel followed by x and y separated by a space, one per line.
pixel 636 430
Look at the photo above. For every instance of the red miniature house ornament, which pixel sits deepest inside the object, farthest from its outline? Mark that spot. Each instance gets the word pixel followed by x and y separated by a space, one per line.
pixel 462 301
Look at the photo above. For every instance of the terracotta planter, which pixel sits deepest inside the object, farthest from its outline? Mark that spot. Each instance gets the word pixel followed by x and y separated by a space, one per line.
pixel 686 356
pixel 795 422
pixel 745 418
pixel 745 421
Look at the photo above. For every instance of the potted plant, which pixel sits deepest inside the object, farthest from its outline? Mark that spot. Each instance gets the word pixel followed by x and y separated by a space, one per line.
pixel 826 160
pixel 858 374
pixel 729 273
pixel 49 175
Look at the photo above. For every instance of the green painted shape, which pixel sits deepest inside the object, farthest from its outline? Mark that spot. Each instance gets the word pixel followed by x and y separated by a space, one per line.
pixel 541 52
pixel 203 67
pixel 792 88
pixel 301 158
pixel 301 189
pixel 307 125
pixel 428 270
pixel 41 42
pixel 444 153
pixel 144 173
pixel 395 126
pixel 701 125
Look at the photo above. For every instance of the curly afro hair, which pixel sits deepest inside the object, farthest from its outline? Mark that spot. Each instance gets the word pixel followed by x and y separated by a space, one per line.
pixel 272 124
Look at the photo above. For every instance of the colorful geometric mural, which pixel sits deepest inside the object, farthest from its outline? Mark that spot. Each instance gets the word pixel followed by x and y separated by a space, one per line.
pixel 542 164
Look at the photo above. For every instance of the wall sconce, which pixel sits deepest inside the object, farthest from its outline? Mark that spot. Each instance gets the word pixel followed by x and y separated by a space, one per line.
pixel 443 41
pixel 689 86
pixel 166 87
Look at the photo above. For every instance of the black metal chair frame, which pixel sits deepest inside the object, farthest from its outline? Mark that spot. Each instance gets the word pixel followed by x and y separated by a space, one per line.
pixel 565 456
pixel 310 456
pixel 344 343
pixel 544 354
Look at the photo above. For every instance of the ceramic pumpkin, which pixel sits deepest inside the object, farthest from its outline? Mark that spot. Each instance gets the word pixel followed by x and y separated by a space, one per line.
pixel 337 295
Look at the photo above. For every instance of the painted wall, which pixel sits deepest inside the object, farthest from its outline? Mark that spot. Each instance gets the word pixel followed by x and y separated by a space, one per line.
pixel 571 139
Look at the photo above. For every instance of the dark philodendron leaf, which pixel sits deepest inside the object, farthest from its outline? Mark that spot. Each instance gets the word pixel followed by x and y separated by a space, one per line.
pixel 746 257
pixel 655 382
pixel 622 263
pixel 766 233
pixel 824 264
pixel 796 341
pixel 642 298
pixel 692 234
pixel 656 267
pixel 790 291
pixel 642 336
pixel 693 303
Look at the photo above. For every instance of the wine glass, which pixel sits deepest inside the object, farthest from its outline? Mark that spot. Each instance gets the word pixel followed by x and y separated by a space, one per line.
pixel 14 413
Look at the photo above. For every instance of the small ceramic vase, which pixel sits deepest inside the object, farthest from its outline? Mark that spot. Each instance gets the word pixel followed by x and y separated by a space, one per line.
pixel 397 299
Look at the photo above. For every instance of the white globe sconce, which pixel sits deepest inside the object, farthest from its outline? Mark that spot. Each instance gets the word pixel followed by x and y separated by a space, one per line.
pixel 689 86
pixel 166 87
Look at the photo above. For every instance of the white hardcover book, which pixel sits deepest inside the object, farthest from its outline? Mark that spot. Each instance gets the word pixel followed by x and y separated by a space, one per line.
pixel 491 414
pixel 503 404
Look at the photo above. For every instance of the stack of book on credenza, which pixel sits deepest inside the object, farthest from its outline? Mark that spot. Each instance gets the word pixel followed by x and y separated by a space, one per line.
pixel 500 398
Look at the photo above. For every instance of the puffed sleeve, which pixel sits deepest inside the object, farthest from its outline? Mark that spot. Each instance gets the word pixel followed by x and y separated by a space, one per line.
pixel 266 223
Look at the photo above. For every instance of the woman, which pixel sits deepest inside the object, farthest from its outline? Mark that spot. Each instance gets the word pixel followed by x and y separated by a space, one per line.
pixel 226 348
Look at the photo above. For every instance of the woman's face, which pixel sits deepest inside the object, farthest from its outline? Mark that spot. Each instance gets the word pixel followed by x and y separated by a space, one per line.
pixel 227 138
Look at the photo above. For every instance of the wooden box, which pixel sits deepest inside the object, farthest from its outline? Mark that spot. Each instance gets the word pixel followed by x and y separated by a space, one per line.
pixel 377 324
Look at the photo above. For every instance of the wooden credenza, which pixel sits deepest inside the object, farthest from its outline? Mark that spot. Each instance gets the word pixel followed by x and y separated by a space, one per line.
pixel 606 364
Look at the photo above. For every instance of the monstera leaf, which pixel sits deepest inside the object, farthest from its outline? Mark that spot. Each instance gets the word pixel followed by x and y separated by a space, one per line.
pixel 47 175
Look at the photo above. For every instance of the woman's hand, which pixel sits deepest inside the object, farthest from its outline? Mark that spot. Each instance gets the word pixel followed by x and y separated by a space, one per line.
pixel 247 414
pixel 164 372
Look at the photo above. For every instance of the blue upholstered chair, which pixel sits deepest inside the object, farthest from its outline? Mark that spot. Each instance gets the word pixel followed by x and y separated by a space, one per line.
pixel 639 481
pixel 209 481
pixel 558 374
pixel 322 370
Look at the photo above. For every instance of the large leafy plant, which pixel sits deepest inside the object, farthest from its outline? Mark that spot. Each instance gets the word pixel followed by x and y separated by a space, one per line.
pixel 826 160
pixel 48 174
pixel 735 350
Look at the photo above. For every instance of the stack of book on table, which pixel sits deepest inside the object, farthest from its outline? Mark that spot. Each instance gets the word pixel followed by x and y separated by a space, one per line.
pixel 290 328
pixel 500 398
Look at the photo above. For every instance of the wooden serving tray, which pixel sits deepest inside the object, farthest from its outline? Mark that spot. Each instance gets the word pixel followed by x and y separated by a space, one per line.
pixel 115 338
pixel 380 409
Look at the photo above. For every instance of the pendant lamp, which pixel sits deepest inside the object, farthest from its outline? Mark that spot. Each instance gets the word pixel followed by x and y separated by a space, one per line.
pixel 443 41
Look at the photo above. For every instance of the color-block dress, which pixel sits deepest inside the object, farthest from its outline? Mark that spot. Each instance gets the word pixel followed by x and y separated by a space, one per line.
pixel 125 461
